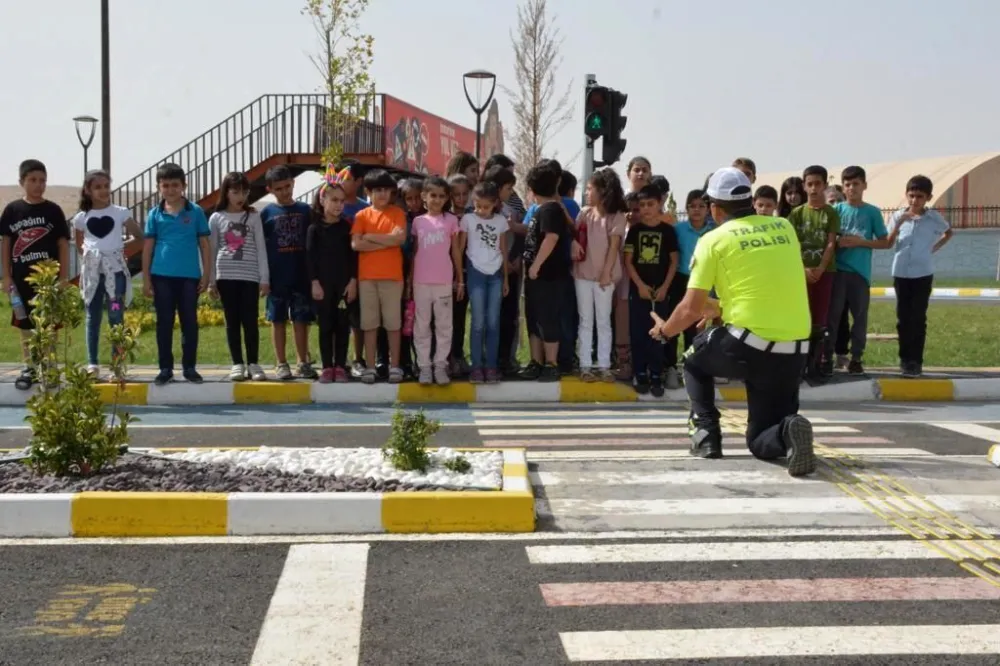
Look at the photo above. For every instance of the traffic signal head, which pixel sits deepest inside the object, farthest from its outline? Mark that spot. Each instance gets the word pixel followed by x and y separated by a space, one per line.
pixel 596 112
pixel 614 144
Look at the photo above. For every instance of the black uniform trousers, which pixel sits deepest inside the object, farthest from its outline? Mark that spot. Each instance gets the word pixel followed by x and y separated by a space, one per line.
pixel 771 380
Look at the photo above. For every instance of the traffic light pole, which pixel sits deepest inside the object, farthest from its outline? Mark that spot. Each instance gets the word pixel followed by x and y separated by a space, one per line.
pixel 588 143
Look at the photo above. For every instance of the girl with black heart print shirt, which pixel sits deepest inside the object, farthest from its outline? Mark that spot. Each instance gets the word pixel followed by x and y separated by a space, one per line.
pixel 105 280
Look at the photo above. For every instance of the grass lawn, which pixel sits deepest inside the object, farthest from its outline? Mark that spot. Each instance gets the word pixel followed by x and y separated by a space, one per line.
pixel 959 335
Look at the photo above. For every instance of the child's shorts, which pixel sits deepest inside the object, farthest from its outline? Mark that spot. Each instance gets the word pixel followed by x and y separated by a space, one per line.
pixel 380 304
pixel 290 303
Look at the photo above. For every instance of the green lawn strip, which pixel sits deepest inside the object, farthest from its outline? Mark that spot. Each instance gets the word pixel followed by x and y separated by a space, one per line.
pixel 959 335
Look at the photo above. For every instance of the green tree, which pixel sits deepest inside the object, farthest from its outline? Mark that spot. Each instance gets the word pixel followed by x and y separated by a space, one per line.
pixel 344 61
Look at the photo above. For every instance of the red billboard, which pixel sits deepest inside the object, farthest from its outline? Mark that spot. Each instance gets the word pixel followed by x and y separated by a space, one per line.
pixel 421 142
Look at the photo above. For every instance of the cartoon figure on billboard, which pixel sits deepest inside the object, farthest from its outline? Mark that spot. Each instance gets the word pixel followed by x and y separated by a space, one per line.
pixel 409 146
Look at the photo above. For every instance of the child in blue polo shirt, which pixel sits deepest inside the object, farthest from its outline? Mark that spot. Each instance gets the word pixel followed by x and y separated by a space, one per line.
pixel 176 237
pixel 917 233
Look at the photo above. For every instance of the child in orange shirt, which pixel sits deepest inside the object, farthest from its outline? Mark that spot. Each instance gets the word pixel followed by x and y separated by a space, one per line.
pixel 378 235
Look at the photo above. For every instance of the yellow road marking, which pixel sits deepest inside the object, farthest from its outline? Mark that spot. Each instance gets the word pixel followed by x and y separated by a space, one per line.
pixel 912 513
pixel 96 611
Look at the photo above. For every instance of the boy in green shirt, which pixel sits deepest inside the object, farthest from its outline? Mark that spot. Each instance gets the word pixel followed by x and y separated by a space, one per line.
pixel 817 224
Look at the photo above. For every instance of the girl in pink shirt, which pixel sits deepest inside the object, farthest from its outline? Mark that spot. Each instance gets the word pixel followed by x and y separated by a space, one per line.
pixel 602 223
pixel 436 253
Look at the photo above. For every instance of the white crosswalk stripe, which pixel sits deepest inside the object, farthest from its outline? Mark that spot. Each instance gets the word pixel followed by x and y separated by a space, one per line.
pixel 828 596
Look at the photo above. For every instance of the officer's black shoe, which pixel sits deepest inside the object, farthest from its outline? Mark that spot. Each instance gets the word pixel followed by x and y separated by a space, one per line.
pixel 706 444
pixel 797 434
pixel 656 386
pixel 641 383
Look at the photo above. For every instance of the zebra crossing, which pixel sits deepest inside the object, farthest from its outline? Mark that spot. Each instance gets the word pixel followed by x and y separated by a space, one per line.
pixel 889 551
pixel 800 597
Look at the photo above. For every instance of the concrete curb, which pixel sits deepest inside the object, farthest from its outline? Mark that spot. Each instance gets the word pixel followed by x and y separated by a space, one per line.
pixel 152 514
pixel 569 390
pixel 956 293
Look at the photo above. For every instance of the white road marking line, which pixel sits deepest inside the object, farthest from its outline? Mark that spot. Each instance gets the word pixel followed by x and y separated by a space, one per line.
pixel 584 420
pixel 679 430
pixel 668 454
pixel 991 435
pixel 717 643
pixel 832 532
pixel 731 551
pixel 772 476
pixel 316 611
pixel 735 506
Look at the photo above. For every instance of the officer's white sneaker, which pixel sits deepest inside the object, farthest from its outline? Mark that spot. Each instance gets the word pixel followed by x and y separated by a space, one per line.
pixel 797 434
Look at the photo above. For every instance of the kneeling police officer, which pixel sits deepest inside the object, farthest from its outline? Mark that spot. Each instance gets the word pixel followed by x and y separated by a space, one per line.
pixel 755 266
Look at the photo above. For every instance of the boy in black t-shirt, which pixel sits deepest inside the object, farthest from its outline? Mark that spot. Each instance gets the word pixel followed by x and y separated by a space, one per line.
pixel 33 230
pixel 548 263
pixel 651 257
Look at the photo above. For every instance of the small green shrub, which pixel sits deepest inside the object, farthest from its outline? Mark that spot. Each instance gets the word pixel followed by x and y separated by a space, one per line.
pixel 70 433
pixel 458 464
pixel 406 447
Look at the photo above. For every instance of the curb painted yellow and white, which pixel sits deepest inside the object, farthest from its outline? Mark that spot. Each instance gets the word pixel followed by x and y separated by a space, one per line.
pixel 956 293
pixel 568 390
pixel 165 514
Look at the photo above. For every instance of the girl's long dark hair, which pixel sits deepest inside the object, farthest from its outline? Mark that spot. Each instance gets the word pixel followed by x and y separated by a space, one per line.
pixel 318 216
pixel 609 186
pixel 86 201
pixel 791 184
pixel 460 163
pixel 234 180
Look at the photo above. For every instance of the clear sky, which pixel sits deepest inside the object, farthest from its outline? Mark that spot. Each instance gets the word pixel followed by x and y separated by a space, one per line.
pixel 786 82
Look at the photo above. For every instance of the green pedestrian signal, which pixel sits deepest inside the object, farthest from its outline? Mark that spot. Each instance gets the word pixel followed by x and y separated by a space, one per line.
pixel 595 120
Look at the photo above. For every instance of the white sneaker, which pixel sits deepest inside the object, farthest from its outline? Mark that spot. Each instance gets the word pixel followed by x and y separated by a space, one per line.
pixel 283 372
pixel 256 373
pixel 673 380
pixel 93 370
pixel 238 373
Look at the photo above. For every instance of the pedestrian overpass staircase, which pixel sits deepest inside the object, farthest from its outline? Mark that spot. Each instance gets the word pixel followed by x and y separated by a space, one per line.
pixel 291 130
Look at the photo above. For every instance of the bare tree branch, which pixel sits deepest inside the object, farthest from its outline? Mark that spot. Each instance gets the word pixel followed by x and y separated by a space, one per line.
pixel 343 60
pixel 541 107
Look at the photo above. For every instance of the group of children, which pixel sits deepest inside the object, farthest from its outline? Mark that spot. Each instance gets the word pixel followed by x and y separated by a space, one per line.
pixel 838 231
pixel 400 269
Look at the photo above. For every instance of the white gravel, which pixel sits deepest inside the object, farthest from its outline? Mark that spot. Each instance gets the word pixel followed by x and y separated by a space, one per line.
pixel 486 472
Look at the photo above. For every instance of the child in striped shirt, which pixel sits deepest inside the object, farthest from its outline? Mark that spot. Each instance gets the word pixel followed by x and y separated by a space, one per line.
pixel 239 273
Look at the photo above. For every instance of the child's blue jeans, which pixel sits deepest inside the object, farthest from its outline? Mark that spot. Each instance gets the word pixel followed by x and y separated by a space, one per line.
pixel 176 296
pixel 95 313
pixel 485 297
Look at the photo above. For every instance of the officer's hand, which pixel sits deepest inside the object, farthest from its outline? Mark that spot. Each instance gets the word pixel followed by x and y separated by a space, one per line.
pixel 656 331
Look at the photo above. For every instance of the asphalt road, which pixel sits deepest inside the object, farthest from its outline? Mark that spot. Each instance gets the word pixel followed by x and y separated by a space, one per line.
pixel 717 562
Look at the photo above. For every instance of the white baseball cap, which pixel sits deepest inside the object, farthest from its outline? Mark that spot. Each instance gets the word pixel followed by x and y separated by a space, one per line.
pixel 729 184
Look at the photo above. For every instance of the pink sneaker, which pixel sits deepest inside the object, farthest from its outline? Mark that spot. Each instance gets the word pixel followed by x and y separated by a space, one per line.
pixel 327 376
pixel 340 375
pixel 476 376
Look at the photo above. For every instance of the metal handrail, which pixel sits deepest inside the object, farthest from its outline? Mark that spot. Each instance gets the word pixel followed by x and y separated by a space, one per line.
pixel 272 124
pixel 268 126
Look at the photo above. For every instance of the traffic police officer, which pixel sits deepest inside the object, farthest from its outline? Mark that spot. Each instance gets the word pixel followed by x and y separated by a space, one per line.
pixel 755 265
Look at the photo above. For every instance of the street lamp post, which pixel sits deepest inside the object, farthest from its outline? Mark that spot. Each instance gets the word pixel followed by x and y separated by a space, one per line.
pixel 105 87
pixel 480 76
pixel 85 125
